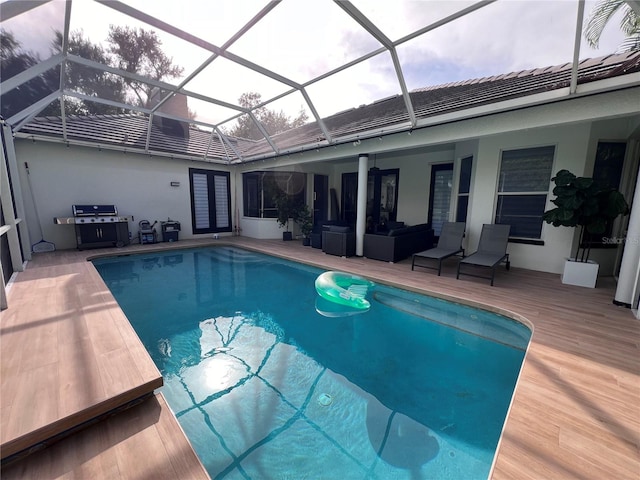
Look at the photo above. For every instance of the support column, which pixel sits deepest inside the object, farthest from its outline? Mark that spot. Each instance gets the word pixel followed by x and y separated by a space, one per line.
pixel 10 221
pixel 18 199
pixel 629 278
pixel 361 210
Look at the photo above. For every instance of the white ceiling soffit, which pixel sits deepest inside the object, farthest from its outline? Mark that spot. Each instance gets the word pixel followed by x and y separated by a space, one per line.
pixel 397 45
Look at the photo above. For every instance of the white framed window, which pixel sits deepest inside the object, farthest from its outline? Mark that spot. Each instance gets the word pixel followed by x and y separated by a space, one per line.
pixel 523 187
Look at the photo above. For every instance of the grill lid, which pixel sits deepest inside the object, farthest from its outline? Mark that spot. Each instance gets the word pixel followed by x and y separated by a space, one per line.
pixel 94 210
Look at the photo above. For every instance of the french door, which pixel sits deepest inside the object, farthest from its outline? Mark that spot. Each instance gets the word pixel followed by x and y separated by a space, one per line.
pixel 210 201
pixel 382 195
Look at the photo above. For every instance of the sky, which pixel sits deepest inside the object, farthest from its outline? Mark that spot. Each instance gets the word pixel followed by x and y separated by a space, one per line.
pixel 304 39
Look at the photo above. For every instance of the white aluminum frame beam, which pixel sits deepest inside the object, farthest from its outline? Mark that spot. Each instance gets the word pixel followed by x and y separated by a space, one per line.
pixel 137 109
pixel 149 81
pixel 576 49
pixel 374 31
pixel 28 113
pixel 63 67
pixel 10 227
pixel 31 73
pixel 224 140
pixel 16 196
pixel 222 52
pixel 256 18
pixel 263 131
pixel 218 51
pixel 13 8
pixel 444 21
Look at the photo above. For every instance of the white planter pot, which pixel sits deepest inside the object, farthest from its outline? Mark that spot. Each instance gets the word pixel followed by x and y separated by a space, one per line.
pixel 582 274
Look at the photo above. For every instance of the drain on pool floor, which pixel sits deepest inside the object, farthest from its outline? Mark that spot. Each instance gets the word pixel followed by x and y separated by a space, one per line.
pixel 325 399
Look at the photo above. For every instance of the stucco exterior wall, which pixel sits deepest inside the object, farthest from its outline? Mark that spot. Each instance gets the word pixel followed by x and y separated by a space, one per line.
pixel 414 185
pixel 571 146
pixel 138 185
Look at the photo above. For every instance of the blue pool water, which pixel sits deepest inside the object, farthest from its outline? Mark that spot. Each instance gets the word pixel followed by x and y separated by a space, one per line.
pixel 267 388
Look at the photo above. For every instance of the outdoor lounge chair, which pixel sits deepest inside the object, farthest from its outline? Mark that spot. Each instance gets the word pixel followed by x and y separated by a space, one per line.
pixel 449 244
pixel 492 250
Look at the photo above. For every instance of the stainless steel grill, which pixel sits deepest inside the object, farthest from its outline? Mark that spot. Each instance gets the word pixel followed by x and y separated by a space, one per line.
pixel 93 214
pixel 98 226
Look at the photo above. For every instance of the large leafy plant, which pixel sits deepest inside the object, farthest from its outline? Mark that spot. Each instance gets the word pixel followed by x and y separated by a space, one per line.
pixel 583 202
pixel 286 208
pixel 304 219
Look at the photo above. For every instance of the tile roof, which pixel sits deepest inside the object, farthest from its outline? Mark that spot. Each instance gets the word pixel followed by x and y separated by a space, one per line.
pixel 130 131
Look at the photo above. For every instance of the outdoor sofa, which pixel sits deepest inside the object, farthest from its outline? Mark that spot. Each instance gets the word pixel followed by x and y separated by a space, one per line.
pixel 339 240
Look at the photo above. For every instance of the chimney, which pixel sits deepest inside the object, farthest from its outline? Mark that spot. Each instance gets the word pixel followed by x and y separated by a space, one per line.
pixel 176 106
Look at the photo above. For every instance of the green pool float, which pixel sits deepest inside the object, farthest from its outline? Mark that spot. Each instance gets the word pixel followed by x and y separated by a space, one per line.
pixel 344 289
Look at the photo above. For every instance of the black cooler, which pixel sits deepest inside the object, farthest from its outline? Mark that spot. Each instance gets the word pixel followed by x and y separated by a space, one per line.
pixel 170 230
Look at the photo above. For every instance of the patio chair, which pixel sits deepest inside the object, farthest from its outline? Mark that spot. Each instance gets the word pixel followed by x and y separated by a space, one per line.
pixel 492 251
pixel 449 244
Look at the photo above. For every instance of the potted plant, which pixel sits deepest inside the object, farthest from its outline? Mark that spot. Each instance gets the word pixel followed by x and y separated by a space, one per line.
pixel 304 220
pixel 583 202
pixel 285 207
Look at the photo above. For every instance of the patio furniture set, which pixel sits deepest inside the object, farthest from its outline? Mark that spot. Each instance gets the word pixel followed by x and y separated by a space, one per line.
pixel 400 242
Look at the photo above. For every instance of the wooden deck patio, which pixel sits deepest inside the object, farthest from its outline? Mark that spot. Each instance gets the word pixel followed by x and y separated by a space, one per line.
pixel 68 355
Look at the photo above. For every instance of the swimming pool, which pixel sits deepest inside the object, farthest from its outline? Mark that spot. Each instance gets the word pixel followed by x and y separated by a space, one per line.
pixel 266 387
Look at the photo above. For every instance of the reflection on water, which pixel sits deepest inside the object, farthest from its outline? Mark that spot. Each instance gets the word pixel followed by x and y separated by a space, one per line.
pixel 256 394
pixel 334 310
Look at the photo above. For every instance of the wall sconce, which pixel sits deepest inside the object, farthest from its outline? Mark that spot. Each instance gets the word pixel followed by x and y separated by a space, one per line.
pixel 175 184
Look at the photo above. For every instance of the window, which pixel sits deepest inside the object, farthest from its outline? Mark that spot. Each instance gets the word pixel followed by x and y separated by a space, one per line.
pixel 260 188
pixel 210 201
pixel 522 190
pixel 464 187
pixel 440 196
